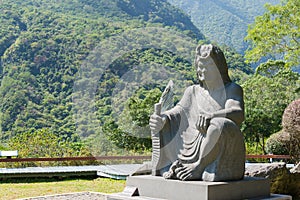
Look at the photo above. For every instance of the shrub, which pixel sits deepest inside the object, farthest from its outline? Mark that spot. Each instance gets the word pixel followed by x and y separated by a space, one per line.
pixel 291 118
pixel 277 143
pixel 287 141
pixel 291 125
pixel 44 143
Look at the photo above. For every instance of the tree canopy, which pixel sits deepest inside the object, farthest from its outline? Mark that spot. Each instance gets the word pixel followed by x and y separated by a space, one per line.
pixel 266 97
pixel 276 33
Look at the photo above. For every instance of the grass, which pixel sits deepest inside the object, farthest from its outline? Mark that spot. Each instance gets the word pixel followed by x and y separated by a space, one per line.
pixel 14 189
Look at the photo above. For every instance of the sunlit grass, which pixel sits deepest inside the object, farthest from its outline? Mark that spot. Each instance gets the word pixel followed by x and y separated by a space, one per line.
pixel 31 188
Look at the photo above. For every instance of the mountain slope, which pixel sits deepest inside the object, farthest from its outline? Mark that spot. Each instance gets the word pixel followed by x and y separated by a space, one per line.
pixel 45 43
pixel 223 21
pixel 76 66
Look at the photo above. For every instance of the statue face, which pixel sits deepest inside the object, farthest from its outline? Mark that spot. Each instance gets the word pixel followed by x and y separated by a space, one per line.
pixel 206 68
pixel 208 72
pixel 205 50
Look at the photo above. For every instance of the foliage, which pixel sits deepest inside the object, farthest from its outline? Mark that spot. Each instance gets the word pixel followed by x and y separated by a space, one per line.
pixel 265 100
pixel 125 140
pixel 270 68
pixel 46 48
pixel 239 71
pixel 130 130
pixel 276 33
pixel 43 44
pixel 44 143
pixel 278 143
pixel 160 11
pixel 288 139
pixel 235 60
pixel 141 105
pixel 128 92
pixel 253 149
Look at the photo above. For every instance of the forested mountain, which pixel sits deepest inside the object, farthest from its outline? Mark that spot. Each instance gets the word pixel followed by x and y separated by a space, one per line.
pixel 224 21
pixel 76 66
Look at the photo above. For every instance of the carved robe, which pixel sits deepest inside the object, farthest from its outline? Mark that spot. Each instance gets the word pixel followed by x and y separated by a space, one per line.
pixel 181 140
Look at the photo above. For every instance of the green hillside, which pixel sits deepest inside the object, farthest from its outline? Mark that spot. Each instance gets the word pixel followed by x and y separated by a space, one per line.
pixel 224 21
pixel 85 69
pixel 44 46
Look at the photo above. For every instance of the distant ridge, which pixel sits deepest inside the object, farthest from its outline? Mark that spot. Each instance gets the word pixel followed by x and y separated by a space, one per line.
pixel 224 21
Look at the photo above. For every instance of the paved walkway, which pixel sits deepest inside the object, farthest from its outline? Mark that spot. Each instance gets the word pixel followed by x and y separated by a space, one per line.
pixel 112 171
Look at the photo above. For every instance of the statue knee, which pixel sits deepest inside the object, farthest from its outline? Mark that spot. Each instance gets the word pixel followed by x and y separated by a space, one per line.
pixel 216 125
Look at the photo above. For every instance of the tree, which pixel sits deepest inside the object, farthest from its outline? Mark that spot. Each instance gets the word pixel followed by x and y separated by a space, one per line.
pixel 265 100
pixel 276 33
pixel 44 143
pixel 130 131
pixel 141 105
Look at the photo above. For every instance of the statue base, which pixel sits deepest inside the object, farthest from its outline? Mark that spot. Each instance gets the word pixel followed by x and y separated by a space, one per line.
pixel 156 187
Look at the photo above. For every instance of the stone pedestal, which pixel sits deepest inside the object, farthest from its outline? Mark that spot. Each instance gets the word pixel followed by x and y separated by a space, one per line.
pixel 154 187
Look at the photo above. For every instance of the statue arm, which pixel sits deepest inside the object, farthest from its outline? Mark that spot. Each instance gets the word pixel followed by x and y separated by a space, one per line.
pixel 234 106
pixel 158 122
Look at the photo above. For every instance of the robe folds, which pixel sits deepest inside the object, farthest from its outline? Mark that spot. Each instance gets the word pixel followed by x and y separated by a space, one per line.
pixel 180 140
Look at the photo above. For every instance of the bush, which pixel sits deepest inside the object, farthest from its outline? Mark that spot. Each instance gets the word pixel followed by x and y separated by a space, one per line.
pixel 291 118
pixel 277 143
pixel 43 143
pixel 287 141
pixel 291 125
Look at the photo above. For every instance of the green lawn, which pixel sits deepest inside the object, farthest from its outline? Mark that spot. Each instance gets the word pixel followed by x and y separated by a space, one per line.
pixel 31 188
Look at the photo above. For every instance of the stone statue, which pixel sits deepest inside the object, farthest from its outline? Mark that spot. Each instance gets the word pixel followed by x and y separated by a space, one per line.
pixel 200 138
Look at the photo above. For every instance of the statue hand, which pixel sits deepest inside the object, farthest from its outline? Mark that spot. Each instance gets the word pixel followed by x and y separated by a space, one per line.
pixel 157 122
pixel 203 122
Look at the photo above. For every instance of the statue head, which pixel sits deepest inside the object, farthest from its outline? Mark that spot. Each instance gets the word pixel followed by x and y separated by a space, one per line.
pixel 209 57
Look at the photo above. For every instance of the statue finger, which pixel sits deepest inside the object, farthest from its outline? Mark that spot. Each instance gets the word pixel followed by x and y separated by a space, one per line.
pixel 152 124
pixel 154 127
pixel 155 121
pixel 152 119
pixel 155 117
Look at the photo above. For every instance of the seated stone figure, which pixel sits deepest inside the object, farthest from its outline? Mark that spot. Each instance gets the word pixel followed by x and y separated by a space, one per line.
pixel 200 138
